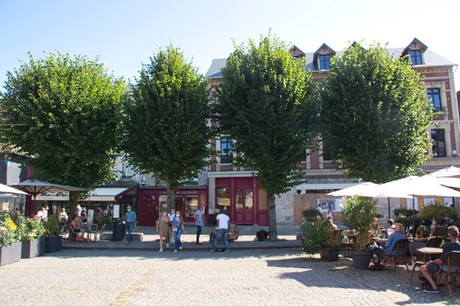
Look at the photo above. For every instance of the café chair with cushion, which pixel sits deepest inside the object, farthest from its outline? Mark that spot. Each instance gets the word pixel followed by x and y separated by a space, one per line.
pixel 417 260
pixel 452 270
pixel 92 233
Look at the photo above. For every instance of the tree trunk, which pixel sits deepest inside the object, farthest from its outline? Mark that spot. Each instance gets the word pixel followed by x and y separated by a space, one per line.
pixel 272 216
pixel 74 196
pixel 171 196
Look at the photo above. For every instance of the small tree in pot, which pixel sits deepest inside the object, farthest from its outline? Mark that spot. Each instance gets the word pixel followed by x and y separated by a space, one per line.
pixel 320 236
pixel 358 214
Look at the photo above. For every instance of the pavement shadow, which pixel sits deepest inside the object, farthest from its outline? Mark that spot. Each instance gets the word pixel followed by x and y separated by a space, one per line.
pixel 341 274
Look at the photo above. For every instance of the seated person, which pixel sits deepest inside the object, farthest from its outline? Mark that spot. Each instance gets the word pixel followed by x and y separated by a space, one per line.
pixel 434 266
pixel 63 217
pixel 397 235
pixel 331 222
pixel 390 227
pixel 76 226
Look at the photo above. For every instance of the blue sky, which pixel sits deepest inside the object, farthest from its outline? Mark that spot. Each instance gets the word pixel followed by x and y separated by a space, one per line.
pixel 124 34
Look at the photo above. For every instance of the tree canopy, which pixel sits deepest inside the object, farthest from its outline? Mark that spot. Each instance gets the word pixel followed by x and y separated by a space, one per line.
pixel 375 114
pixel 166 129
pixel 68 110
pixel 265 105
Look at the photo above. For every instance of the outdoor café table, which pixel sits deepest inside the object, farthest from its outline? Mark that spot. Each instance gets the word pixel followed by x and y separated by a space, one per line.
pixel 430 252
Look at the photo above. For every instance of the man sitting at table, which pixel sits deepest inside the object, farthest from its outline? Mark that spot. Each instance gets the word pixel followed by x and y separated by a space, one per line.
pixel 434 266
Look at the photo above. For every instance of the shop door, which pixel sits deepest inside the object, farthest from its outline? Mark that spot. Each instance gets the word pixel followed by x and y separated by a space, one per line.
pixel 148 213
pixel 244 206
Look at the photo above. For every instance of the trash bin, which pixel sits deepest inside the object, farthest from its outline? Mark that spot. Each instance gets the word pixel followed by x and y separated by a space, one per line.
pixel 119 230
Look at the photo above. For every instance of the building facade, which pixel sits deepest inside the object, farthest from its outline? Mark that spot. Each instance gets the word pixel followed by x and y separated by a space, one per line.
pixel 321 176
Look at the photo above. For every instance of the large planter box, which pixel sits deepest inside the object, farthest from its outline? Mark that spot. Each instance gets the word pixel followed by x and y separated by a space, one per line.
pixel 10 254
pixel 361 260
pixel 329 254
pixel 33 248
pixel 53 244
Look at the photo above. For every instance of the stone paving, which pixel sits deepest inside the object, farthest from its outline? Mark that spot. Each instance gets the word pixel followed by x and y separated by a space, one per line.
pixel 244 277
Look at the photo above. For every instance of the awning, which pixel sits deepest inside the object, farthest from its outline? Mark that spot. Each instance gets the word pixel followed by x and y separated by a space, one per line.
pixel 101 194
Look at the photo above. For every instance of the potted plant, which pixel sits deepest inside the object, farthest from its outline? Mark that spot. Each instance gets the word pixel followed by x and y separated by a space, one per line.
pixel 32 235
pixel 439 213
pixel 10 247
pixel 320 236
pixel 53 241
pixel 358 213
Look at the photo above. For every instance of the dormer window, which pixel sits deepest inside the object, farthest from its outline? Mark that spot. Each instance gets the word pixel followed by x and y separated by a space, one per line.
pixel 416 57
pixel 324 62
pixel 414 51
pixel 322 58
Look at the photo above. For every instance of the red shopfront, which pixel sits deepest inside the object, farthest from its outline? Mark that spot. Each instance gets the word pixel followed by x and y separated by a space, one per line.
pixel 244 199
pixel 152 201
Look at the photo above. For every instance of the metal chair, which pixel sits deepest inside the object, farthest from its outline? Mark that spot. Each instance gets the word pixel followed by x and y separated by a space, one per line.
pixel 401 247
pixel 92 233
pixel 434 242
pixel 453 263
pixel 416 259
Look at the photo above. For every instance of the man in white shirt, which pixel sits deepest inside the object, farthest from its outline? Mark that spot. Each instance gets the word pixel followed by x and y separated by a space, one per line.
pixel 223 226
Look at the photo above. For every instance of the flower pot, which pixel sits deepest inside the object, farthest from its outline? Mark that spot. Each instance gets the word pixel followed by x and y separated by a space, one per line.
pixel 53 244
pixel 329 254
pixel 33 248
pixel 10 253
pixel 361 259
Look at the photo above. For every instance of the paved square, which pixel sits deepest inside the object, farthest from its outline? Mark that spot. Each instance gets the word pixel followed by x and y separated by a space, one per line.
pixel 243 277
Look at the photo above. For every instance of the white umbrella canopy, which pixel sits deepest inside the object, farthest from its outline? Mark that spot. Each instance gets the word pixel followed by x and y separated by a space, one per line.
pixel 10 190
pixel 367 189
pixel 35 187
pixel 446 172
pixel 418 186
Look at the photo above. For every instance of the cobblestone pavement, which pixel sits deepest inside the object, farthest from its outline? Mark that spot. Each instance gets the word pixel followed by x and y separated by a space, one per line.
pixel 242 277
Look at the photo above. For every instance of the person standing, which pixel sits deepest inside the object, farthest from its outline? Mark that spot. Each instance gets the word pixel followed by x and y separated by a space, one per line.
pixel 130 219
pixel 63 217
pixel 45 212
pixel 223 226
pixel 199 223
pixel 330 214
pixel 78 210
pixel 171 216
pixel 178 230
pixel 163 229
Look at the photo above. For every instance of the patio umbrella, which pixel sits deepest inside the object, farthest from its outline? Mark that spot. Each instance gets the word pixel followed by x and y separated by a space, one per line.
pixel 418 186
pixel 10 190
pixel 35 187
pixel 369 189
pixel 446 172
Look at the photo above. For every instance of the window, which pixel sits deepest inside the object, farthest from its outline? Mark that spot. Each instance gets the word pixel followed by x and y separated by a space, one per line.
pixel 327 153
pixel 434 94
pixel 438 143
pixel 324 62
pixel 416 57
pixel 226 150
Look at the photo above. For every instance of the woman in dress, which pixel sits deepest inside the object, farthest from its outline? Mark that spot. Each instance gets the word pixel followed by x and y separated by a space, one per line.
pixel 163 229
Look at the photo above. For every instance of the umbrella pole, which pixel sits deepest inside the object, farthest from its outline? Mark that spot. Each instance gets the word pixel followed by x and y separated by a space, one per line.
pixel 413 216
pixel 389 209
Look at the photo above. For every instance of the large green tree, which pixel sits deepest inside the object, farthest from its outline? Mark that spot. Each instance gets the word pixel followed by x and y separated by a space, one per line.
pixel 265 104
pixel 375 114
pixel 68 110
pixel 166 130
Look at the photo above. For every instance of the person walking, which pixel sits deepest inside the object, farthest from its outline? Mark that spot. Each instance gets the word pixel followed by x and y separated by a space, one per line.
pixel 178 230
pixel 130 219
pixel 199 223
pixel 223 226
pixel 163 229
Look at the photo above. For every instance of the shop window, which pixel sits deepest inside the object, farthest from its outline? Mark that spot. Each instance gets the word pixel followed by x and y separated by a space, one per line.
pixel 191 205
pixel 223 198
pixel 262 199
pixel 438 143
pixel 244 199
pixel 434 94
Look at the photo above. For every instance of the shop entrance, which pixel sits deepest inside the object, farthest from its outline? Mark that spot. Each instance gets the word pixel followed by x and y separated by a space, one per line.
pixel 244 206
